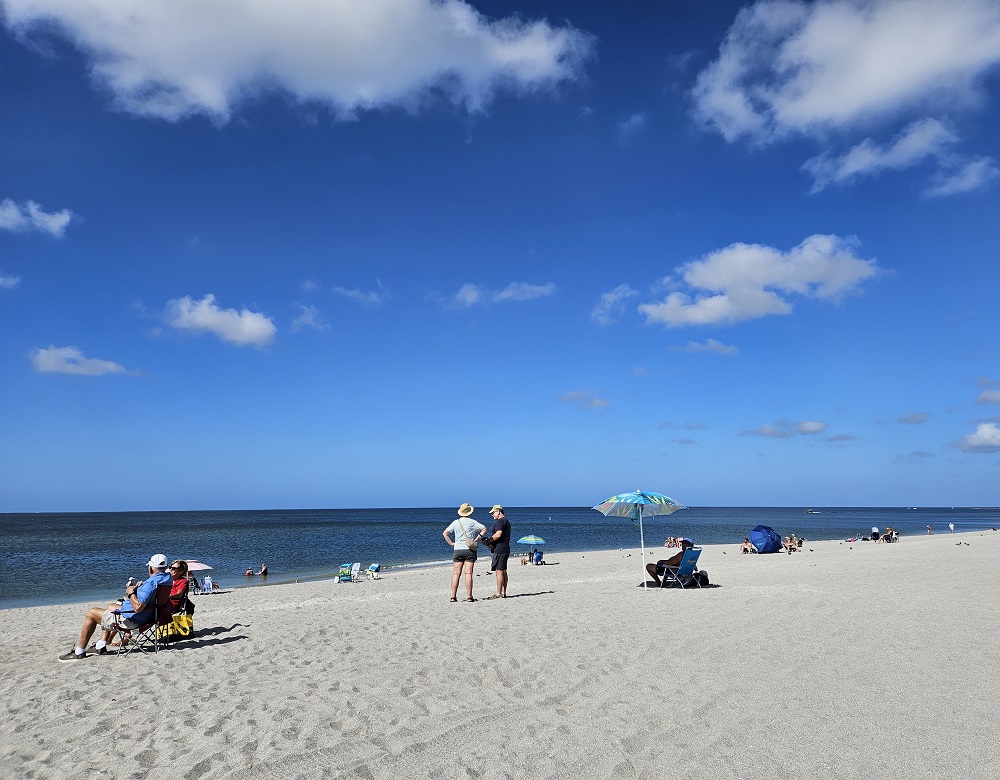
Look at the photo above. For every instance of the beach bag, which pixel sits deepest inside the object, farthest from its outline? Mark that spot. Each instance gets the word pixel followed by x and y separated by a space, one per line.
pixel 702 577
pixel 473 546
pixel 181 626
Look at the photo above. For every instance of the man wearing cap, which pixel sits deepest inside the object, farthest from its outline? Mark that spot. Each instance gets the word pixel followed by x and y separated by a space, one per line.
pixel 499 542
pixel 138 610
pixel 673 561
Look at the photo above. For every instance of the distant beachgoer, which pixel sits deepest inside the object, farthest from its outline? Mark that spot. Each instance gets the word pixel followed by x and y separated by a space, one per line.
pixel 929 530
pixel 660 567
pixel 795 542
pixel 466 534
pixel 499 543
pixel 263 570
pixel 249 571
pixel 875 534
pixel 951 527
pixel 747 547
pixel 670 542
pixel 787 544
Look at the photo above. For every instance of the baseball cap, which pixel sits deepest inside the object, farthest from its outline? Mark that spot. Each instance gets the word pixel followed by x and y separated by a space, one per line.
pixel 158 561
pixel 496 508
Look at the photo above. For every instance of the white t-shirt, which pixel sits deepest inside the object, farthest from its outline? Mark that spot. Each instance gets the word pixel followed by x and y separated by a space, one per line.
pixel 472 530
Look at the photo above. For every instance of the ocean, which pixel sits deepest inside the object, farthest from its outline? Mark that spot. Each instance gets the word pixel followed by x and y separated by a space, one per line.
pixel 63 558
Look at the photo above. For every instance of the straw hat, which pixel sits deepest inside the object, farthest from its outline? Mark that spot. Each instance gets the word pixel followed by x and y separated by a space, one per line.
pixel 465 510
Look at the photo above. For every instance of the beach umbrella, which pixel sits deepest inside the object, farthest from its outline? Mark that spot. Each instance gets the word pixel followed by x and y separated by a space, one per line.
pixel 531 539
pixel 635 505
pixel 198 566
pixel 765 539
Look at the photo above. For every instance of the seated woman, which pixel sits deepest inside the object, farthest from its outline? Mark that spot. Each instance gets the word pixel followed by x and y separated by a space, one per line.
pixel 670 542
pixel 788 546
pixel 179 587
pixel 747 546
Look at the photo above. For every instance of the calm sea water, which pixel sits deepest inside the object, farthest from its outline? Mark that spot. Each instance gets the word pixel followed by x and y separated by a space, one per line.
pixel 62 558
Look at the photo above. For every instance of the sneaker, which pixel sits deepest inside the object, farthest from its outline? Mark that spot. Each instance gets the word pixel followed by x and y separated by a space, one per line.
pixel 72 655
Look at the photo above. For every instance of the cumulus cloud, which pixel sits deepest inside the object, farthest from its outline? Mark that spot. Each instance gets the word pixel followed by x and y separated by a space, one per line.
pixel 31 216
pixel 174 58
pixel 70 360
pixel 470 295
pixel 985 439
pixel 988 397
pixel 612 304
pixel 8 282
pixel 308 317
pixel 790 67
pixel 243 328
pixel 913 419
pixel 709 345
pixel 747 281
pixel 784 429
pixel 585 399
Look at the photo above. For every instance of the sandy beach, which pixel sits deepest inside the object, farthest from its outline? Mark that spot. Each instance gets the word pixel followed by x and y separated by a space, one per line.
pixel 843 661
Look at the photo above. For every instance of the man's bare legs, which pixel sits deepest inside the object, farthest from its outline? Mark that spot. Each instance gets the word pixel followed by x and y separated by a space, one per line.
pixel 501 583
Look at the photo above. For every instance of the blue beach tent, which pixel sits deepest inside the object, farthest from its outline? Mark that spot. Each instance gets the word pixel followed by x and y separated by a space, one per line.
pixel 765 539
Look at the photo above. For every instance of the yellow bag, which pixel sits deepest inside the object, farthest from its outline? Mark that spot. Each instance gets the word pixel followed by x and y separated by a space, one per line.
pixel 180 627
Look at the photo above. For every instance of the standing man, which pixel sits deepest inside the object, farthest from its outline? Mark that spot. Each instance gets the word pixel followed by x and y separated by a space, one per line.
pixel 499 542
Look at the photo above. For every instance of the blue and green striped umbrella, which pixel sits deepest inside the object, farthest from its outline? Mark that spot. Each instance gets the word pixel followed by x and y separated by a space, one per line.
pixel 635 505
pixel 531 539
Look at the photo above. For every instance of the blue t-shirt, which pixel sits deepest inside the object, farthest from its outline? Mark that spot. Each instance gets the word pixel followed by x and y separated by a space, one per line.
pixel 472 530
pixel 147 595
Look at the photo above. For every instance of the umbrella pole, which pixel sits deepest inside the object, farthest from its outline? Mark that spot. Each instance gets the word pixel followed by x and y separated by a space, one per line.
pixel 642 547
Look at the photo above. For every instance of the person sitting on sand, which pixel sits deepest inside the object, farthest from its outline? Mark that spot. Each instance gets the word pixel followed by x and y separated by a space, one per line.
pixel 795 542
pixel 787 544
pixel 660 567
pixel 747 547
pixel 138 610
pixel 670 542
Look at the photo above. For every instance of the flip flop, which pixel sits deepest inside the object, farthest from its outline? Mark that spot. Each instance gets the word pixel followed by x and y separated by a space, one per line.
pixel 454 599
pixel 470 599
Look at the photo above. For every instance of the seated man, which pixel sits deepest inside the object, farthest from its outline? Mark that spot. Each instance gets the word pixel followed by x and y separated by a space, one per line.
pixel 660 567
pixel 747 546
pixel 138 610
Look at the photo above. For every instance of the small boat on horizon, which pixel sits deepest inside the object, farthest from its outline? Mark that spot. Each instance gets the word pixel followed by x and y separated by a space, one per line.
pixel 812 512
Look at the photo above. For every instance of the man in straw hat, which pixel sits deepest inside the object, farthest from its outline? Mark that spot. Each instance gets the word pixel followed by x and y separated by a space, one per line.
pixel 499 542
pixel 466 534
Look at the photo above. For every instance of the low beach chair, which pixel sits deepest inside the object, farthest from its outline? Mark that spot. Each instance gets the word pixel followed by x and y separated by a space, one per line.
pixel 146 637
pixel 344 575
pixel 356 572
pixel 372 572
pixel 683 574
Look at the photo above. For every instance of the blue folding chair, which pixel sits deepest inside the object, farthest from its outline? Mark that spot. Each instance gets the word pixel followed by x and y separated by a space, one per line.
pixel 683 574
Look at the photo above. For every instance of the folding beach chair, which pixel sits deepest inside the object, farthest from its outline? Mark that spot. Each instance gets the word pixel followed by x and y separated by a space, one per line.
pixel 683 574
pixel 344 575
pixel 372 571
pixel 146 637
pixel 356 572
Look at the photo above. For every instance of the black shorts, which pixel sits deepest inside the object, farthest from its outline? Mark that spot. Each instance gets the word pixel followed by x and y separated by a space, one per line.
pixel 464 556
pixel 499 562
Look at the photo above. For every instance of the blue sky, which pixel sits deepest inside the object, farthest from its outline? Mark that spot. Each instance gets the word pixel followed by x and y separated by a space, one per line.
pixel 412 253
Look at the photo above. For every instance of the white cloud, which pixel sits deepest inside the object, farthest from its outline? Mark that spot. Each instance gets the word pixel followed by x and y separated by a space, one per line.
pixel 242 328
pixel 309 317
pixel 470 295
pixel 523 291
pixel 963 175
pixel 585 399
pixel 8 282
pixel 988 397
pixel 368 298
pixel 784 429
pixel 70 360
pixel 630 126
pixel 918 141
pixel 612 304
pixel 30 216
pixel 710 345
pixel 985 439
pixel 174 58
pixel 913 419
pixel 791 67
pixel 747 281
